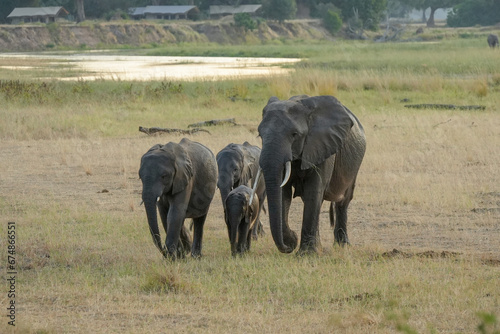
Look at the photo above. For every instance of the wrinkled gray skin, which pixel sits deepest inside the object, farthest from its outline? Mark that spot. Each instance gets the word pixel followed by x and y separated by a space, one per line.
pixel 325 144
pixel 183 178
pixel 493 41
pixel 241 218
pixel 238 165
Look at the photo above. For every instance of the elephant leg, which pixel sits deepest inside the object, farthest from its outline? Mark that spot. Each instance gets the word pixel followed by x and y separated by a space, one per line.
pixel 185 239
pixel 243 238
pixel 340 229
pixel 175 223
pixel 309 239
pixel 163 210
pixel 259 230
pixel 249 237
pixel 312 198
pixel 289 236
pixel 198 224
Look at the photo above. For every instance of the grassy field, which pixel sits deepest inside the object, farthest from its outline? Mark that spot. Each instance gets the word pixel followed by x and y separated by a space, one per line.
pixel 424 223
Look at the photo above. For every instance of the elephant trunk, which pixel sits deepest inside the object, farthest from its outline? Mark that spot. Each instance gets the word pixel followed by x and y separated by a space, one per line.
pixel 225 185
pixel 150 205
pixel 150 193
pixel 233 216
pixel 273 177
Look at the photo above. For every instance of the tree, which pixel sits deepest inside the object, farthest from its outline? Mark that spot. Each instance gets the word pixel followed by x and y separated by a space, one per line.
pixel 433 5
pixel 369 12
pixel 80 11
pixel 473 12
pixel 332 21
pixel 279 10
pixel 245 21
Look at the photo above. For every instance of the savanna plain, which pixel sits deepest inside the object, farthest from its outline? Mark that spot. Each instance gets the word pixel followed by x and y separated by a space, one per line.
pixel 424 224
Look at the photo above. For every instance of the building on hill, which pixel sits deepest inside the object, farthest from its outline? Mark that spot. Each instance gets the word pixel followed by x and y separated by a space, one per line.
pixel 220 11
pixel 164 12
pixel 37 14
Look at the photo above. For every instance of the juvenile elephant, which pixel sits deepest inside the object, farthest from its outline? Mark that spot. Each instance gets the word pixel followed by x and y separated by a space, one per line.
pixel 238 165
pixel 241 217
pixel 180 180
pixel 319 144
pixel 492 40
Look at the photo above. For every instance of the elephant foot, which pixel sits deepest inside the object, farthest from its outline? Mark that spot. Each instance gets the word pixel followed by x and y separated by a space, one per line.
pixel 258 231
pixel 290 240
pixel 308 251
pixel 196 255
pixel 309 246
pixel 175 253
pixel 341 237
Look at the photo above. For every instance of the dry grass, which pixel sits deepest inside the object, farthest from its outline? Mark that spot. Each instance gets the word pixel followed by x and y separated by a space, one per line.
pixel 429 187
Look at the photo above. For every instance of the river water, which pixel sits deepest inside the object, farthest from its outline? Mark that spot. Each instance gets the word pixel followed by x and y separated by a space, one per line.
pixel 120 67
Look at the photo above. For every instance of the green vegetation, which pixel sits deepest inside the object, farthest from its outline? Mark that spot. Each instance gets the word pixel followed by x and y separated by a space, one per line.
pixel 245 20
pixel 279 10
pixel 69 155
pixel 473 12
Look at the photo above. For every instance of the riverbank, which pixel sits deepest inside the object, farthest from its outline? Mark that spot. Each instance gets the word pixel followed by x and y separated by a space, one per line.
pixel 91 35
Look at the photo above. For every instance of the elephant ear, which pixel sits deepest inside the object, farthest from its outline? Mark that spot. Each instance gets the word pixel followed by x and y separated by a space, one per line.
pixel 183 167
pixel 250 164
pixel 329 124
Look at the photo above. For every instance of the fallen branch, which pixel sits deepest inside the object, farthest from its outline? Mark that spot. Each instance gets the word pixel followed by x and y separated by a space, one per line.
pixel 443 106
pixel 213 122
pixel 438 124
pixel 155 130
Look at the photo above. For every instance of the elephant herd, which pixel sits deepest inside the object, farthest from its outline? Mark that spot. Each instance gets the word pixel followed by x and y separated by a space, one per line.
pixel 312 147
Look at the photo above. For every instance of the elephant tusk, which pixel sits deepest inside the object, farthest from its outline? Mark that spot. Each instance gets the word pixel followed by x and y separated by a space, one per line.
pixel 288 171
pixel 142 202
pixel 158 199
pixel 255 185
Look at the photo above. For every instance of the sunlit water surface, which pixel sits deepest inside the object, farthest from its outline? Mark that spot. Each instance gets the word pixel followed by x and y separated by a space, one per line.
pixel 112 67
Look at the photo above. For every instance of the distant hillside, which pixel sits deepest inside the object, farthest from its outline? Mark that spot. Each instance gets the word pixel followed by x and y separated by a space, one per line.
pixel 92 35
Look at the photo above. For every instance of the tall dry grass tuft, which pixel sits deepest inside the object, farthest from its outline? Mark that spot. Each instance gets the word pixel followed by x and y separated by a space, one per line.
pixel 314 82
pixel 480 87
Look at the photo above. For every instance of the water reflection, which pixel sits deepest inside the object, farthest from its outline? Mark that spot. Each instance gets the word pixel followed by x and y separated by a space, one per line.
pixel 108 67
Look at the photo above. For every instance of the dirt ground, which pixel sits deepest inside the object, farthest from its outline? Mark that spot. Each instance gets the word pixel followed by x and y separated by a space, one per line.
pixel 101 175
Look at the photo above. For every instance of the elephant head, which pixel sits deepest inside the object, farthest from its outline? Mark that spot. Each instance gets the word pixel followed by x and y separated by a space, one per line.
pixel 240 217
pixel 304 131
pixel 165 170
pixel 236 164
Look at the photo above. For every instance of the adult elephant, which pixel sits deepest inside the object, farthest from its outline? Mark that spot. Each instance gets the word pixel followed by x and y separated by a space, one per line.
pixel 492 40
pixel 319 144
pixel 238 165
pixel 179 180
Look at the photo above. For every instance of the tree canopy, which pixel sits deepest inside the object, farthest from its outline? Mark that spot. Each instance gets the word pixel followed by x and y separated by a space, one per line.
pixel 475 12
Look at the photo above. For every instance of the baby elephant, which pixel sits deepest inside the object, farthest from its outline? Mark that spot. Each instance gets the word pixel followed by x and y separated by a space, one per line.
pixel 240 218
pixel 492 40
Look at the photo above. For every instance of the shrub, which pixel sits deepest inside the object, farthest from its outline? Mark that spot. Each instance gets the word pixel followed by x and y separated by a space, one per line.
pixel 332 21
pixel 245 21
